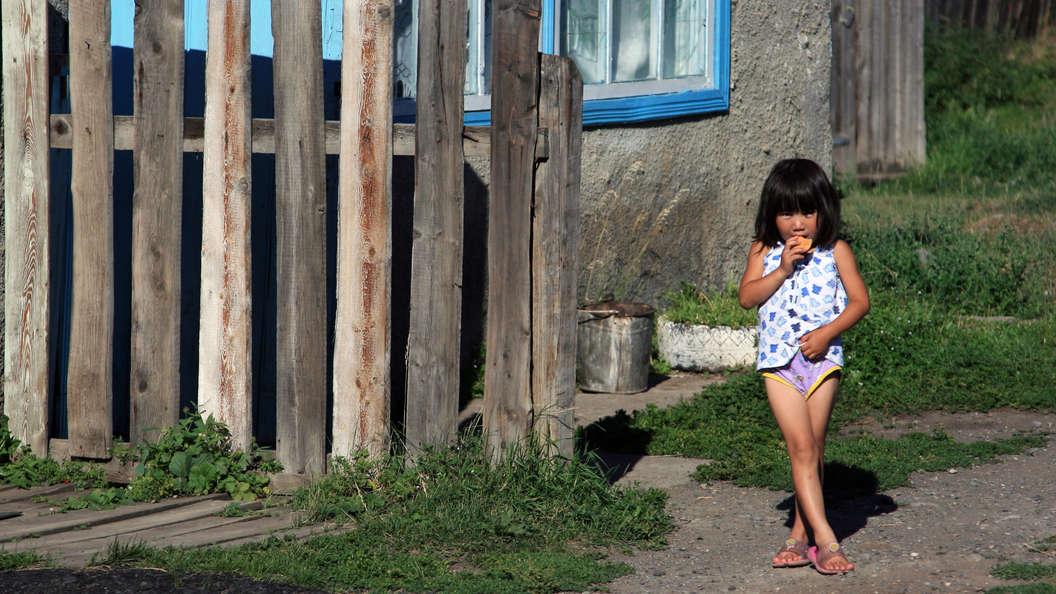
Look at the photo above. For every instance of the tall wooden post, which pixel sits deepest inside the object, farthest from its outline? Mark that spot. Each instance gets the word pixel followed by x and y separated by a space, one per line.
pixel 26 211
pixel 364 235
pixel 89 385
pixel 436 258
pixel 300 230
pixel 555 255
pixel 514 121
pixel 225 330
pixel 157 216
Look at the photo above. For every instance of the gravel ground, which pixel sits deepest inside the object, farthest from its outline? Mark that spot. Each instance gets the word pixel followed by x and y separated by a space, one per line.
pixel 944 534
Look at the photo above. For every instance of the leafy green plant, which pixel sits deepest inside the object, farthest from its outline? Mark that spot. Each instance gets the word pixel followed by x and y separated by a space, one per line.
pixel 1024 571
pixel 194 457
pixel 689 305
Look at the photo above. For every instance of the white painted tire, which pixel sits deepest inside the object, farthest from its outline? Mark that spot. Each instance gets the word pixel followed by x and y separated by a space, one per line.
pixel 704 348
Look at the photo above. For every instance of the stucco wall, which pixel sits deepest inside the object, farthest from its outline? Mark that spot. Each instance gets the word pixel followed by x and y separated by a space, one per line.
pixel 676 199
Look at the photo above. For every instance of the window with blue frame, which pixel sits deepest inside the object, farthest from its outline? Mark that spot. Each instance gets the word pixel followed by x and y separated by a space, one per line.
pixel 640 59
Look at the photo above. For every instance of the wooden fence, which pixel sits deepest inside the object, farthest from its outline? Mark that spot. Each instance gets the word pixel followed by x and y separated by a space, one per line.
pixel 877 98
pixel 1018 18
pixel 534 146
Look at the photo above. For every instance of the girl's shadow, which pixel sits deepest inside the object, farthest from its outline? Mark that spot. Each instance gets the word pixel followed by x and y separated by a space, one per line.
pixel 851 498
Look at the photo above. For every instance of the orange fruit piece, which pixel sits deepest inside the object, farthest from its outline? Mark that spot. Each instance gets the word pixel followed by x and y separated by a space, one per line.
pixel 804 242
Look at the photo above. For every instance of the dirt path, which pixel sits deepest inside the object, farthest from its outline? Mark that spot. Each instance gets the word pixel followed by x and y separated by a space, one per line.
pixel 943 535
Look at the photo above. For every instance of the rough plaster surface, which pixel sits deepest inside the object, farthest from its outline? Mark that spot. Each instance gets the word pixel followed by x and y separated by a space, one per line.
pixel 676 199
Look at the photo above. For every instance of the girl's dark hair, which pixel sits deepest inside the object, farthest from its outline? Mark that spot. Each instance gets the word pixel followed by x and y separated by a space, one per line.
pixel 797 185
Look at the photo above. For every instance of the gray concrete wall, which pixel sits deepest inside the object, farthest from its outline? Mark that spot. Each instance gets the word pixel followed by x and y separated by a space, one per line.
pixel 676 199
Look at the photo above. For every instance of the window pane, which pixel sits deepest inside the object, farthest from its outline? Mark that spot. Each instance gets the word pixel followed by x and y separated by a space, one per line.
pixel 406 34
pixel 583 37
pixel 685 38
pixel 633 48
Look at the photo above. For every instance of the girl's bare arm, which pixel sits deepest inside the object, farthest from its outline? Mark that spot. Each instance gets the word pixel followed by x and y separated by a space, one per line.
pixel 756 288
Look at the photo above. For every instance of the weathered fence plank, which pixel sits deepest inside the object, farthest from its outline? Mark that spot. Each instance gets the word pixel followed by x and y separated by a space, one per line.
pixel 364 236
pixel 914 143
pixel 555 255
pixel 89 385
pixel 300 230
pixel 514 118
pixel 476 140
pixel 225 333
pixel 844 85
pixel 157 216
pixel 436 257
pixel 26 211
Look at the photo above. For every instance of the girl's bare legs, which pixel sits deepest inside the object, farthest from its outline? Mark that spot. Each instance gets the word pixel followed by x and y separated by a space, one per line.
pixel 803 424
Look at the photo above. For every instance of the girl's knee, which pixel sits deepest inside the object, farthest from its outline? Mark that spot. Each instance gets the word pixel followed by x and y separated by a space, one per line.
pixel 803 451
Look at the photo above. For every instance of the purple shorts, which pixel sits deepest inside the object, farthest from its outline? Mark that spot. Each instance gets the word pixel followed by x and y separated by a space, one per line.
pixel 802 374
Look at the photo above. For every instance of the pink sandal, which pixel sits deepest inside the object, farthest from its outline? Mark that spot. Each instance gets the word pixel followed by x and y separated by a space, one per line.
pixel 798 547
pixel 820 557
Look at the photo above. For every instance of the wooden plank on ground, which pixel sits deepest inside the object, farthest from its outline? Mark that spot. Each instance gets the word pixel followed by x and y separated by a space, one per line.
pixel 303 532
pixel 300 229
pixel 476 140
pixel 89 385
pixel 166 518
pixel 514 119
pixel 157 215
pixel 59 492
pixel 264 525
pixel 77 554
pixel 364 234
pixel 436 256
pixel 225 386
pixel 68 521
pixel 27 219
pixel 555 255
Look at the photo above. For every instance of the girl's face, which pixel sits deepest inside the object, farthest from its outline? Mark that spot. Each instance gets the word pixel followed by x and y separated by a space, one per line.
pixel 797 223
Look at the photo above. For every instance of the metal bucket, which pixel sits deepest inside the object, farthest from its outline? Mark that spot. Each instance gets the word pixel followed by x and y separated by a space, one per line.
pixel 613 343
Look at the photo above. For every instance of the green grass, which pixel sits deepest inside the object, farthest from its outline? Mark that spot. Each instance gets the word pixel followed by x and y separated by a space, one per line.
pixel 25 560
pixel 450 522
pixel 689 305
pixel 1024 571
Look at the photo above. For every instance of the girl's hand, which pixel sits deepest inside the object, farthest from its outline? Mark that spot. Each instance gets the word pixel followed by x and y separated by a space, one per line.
pixel 794 251
pixel 815 344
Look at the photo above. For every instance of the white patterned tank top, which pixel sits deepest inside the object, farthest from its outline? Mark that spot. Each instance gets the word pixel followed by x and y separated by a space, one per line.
pixel 808 299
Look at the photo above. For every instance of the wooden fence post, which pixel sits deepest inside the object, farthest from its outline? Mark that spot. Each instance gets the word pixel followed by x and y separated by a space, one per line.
pixel 90 379
pixel 555 254
pixel 300 229
pixel 364 236
pixel 514 121
pixel 225 331
pixel 26 211
pixel 844 85
pixel 436 257
pixel 157 216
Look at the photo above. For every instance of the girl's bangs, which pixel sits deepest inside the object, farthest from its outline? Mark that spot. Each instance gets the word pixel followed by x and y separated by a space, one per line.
pixel 798 199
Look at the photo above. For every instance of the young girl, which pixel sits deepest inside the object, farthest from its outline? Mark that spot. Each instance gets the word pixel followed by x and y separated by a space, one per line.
pixel 808 289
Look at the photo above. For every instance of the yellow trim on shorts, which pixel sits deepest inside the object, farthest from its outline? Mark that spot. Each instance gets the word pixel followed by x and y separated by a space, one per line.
pixel 812 388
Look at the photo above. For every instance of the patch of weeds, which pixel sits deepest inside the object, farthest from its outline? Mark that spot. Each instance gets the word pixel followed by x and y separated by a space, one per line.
pixel 25 560
pixel 117 553
pixel 231 510
pixel 689 305
pixel 20 467
pixel 1024 571
pixel 39 499
pixel 1038 588
pixel 1044 545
